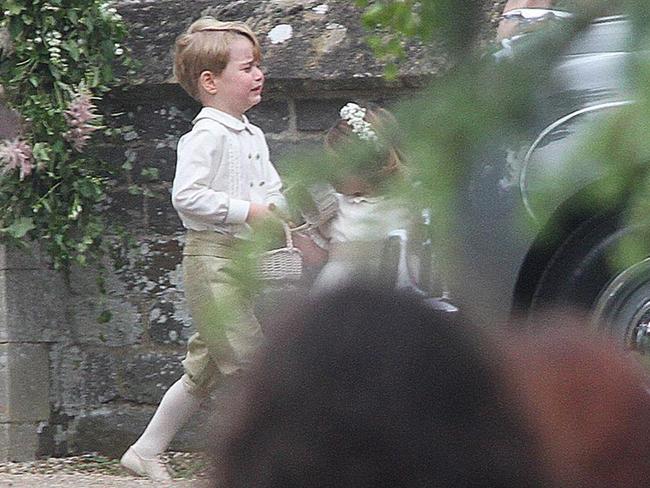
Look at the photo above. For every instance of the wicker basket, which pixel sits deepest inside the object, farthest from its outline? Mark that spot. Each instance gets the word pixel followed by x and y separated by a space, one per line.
pixel 325 205
pixel 283 264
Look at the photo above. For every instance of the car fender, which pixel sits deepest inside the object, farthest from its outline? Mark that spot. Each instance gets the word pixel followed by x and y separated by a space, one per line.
pixel 554 168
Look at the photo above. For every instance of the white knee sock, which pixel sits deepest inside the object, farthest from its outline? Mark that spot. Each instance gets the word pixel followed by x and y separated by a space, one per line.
pixel 176 407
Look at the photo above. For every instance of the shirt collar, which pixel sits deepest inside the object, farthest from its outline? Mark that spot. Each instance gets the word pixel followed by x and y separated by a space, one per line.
pixel 223 118
pixel 362 198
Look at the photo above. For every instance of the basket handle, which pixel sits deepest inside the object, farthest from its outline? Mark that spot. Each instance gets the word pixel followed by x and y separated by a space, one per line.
pixel 287 235
pixel 301 227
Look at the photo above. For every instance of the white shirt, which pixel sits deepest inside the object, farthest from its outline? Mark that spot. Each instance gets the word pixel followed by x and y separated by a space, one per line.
pixel 222 166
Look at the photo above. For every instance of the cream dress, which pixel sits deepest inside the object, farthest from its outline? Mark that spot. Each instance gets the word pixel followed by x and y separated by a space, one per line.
pixel 356 237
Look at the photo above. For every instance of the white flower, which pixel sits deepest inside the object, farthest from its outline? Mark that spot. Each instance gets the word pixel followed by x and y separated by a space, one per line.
pixel 354 115
pixel 55 52
pixel 75 211
pixel 119 51
pixel 110 12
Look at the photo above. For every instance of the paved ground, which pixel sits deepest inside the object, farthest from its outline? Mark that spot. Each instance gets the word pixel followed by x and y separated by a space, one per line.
pixel 87 481
pixel 95 471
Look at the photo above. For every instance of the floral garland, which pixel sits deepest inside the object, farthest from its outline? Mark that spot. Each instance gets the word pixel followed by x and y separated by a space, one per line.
pixel 57 57
pixel 354 116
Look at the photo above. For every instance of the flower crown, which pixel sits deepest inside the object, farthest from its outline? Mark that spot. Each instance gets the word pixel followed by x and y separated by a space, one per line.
pixel 354 115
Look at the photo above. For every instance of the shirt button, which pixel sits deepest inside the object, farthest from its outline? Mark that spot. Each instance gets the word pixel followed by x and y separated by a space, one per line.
pixel 261 183
pixel 251 184
pixel 250 156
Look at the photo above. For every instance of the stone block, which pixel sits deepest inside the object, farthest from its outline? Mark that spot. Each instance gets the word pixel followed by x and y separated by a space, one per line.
pixel 153 119
pixel 18 442
pixel 282 148
pixel 145 377
pixel 271 116
pixel 318 114
pixel 107 321
pixel 161 218
pixel 141 215
pixel 99 377
pixel 53 435
pixel 111 430
pixel 154 152
pixel 85 377
pixel 32 305
pixel 165 324
pixel 67 380
pixel 128 100
pixel 153 278
pixel 321 48
pixel 159 153
pixel 126 209
pixel 84 280
pixel 24 383
pixel 12 258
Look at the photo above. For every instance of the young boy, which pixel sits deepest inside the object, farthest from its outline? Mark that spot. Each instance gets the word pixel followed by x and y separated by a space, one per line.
pixel 223 182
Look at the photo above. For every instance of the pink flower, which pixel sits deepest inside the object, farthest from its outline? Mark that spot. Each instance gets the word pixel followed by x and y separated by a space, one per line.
pixel 79 115
pixel 16 154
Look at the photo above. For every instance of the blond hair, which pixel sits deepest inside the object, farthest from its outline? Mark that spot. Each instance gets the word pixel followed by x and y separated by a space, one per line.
pixel 204 47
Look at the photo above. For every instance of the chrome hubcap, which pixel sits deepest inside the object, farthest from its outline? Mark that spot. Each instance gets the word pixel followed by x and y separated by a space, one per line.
pixel 639 339
pixel 623 307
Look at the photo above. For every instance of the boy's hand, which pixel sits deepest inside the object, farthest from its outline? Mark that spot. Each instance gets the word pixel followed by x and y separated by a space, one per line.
pixel 269 226
pixel 258 212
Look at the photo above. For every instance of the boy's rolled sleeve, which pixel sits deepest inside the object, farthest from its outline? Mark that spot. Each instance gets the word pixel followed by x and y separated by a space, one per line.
pixel 192 196
pixel 237 211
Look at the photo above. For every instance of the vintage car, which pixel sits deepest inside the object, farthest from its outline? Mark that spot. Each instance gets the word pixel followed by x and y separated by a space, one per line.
pixel 562 251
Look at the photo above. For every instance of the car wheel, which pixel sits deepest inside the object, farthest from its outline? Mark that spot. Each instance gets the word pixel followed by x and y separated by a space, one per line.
pixel 623 307
pixel 585 274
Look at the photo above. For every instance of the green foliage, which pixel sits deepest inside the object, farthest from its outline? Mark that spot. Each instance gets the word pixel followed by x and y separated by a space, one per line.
pixel 391 23
pixel 480 105
pixel 61 54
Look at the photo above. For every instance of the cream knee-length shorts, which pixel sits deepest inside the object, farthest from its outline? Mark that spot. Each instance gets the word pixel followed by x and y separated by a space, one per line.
pixel 227 331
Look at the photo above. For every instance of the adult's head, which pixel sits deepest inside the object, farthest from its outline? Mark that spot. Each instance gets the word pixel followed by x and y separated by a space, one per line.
pixel 370 388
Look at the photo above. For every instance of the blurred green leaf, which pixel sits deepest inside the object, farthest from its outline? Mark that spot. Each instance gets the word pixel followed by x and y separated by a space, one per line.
pixel 19 227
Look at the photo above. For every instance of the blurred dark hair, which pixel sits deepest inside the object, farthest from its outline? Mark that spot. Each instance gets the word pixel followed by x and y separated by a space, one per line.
pixel 368 388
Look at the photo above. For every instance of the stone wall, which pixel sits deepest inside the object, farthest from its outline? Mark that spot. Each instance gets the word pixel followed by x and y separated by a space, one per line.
pixel 72 383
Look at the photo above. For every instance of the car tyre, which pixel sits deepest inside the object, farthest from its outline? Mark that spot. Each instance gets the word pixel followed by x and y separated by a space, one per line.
pixel 587 275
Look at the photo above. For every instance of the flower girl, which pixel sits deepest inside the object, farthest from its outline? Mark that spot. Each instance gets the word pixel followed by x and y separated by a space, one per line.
pixel 356 234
